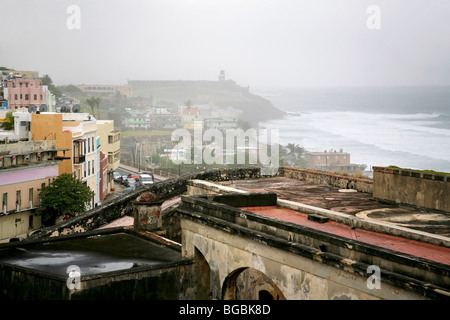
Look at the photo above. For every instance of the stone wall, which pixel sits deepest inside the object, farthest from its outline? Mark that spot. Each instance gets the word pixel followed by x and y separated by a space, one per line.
pixel 232 239
pixel 403 186
pixel 177 280
pixel 123 205
pixel 335 180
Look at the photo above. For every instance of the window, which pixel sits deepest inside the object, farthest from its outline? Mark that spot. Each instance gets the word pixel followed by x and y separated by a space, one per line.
pixel 15 96
pixel 93 148
pixel 89 168
pixel 30 222
pixel 5 202
pixel 89 145
pixel 35 97
pixel 30 197
pixel 18 199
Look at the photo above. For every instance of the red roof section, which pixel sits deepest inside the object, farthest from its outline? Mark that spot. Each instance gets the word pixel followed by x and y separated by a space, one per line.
pixel 411 247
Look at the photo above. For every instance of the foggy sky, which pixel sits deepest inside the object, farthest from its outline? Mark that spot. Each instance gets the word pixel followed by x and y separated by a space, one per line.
pixel 256 42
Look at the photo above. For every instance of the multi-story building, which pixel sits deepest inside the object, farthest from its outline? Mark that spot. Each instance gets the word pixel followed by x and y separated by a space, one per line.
pixel 78 133
pixel 83 128
pixel 25 168
pixel 220 123
pixel 104 177
pixel 106 90
pixel 22 92
pixel 190 116
pixel 330 161
pixel 110 146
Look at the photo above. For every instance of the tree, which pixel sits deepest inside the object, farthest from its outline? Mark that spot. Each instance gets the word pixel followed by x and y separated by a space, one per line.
pixel 65 196
pixel 92 102
pixel 188 105
pixel 97 103
pixel 8 124
pixel 47 81
pixel 295 150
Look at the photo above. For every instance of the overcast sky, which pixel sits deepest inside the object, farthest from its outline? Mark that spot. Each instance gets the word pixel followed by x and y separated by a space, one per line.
pixel 256 42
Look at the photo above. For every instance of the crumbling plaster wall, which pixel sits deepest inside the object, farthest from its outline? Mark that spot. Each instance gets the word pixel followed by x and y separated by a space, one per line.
pixel 297 277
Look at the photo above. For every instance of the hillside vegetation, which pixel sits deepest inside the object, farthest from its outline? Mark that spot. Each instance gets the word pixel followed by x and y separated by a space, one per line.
pixel 225 95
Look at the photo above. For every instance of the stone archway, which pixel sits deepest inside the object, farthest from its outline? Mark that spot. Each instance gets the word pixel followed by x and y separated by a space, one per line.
pixel 203 282
pixel 250 284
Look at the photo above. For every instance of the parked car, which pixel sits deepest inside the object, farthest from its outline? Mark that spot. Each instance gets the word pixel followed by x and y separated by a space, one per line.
pixel 117 176
pixel 124 180
pixel 131 182
pixel 134 175
pixel 150 174
pixel 145 179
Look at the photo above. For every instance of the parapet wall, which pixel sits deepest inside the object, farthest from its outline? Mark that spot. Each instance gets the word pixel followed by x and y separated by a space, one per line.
pixel 122 205
pixel 421 189
pixel 335 180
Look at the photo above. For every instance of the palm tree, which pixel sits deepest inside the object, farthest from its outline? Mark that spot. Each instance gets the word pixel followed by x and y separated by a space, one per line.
pixel 92 102
pixel 291 147
pixel 97 103
pixel 295 150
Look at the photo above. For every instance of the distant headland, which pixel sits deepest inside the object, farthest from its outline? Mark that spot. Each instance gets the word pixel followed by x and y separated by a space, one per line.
pixel 221 93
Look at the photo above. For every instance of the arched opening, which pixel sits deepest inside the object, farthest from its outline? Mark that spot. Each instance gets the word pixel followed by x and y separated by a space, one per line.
pixel 203 280
pixel 250 284
pixel 264 295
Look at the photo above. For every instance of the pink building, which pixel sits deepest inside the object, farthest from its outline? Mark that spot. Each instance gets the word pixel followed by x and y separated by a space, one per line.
pixel 21 92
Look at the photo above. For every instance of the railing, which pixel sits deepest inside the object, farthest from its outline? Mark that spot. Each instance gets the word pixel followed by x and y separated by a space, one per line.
pixel 79 159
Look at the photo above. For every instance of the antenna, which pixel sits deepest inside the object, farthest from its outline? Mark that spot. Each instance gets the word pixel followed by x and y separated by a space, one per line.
pixel 76 108
pixel 43 108
pixel 32 108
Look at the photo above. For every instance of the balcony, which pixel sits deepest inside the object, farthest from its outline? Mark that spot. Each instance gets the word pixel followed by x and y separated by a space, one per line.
pixel 79 159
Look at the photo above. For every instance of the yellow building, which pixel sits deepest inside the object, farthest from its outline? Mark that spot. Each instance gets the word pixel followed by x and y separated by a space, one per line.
pixel 109 142
pixel 25 168
pixel 78 133
pixel 47 126
pixel 110 146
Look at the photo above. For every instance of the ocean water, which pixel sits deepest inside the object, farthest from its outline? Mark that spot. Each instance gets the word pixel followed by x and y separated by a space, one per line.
pixel 379 126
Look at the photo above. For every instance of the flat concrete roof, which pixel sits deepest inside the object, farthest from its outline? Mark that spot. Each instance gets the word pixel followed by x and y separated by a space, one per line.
pixel 415 248
pixel 92 253
pixel 350 202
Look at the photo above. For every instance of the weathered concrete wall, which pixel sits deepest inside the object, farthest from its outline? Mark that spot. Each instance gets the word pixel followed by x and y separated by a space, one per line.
pixel 232 239
pixel 343 182
pixel 297 277
pixel 420 189
pixel 170 281
pixel 24 284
